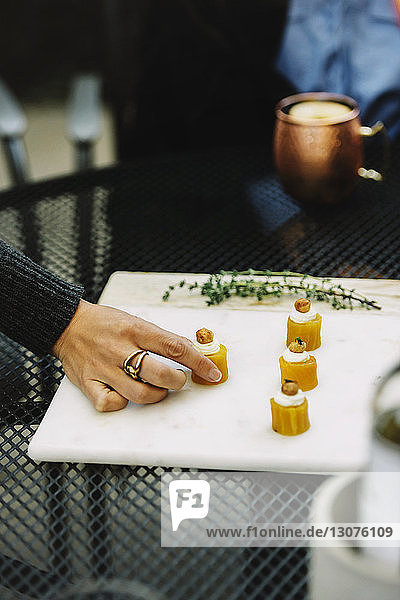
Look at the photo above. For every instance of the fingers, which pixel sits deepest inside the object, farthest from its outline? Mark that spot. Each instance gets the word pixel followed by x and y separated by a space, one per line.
pixel 135 391
pixel 154 372
pixel 153 338
pixel 103 398
pixel 106 399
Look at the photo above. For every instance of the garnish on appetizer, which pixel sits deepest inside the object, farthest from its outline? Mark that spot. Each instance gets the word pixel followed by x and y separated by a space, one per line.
pixel 298 365
pixel 289 410
pixel 207 344
pixel 304 322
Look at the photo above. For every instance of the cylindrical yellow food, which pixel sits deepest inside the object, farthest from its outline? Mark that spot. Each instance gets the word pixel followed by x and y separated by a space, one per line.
pixel 290 420
pixel 304 372
pixel 309 332
pixel 220 360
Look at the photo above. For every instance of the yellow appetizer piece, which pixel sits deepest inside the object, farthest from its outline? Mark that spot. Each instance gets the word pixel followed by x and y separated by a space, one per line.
pixel 289 410
pixel 208 345
pixel 297 365
pixel 304 323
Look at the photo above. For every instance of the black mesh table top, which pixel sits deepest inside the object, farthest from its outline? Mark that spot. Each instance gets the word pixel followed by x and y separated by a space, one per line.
pixel 63 524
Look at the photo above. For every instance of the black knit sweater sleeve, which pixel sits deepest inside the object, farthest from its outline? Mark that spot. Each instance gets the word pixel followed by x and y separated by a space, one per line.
pixel 35 305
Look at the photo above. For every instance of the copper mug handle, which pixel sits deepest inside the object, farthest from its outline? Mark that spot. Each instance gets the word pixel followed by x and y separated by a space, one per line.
pixel 369 132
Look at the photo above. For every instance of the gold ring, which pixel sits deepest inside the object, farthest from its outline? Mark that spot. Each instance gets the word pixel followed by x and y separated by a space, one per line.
pixel 134 370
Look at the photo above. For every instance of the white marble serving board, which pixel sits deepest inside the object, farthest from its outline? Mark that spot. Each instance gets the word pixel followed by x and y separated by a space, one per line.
pixel 229 426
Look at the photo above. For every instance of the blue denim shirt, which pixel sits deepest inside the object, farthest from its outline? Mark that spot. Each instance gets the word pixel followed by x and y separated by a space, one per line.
pixel 349 47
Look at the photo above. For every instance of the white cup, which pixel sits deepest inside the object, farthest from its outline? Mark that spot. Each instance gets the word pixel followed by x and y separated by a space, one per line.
pixel 344 572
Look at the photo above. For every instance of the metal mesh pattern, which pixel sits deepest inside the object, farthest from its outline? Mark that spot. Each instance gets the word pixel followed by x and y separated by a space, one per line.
pixel 62 524
pixel 241 499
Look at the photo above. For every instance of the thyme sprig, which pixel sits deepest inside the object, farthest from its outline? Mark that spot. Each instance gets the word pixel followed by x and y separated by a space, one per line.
pixel 261 284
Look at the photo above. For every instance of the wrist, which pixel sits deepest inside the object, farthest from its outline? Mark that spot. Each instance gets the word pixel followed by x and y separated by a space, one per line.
pixel 58 348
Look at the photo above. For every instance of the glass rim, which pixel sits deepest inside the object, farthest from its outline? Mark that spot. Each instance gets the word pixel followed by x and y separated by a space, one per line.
pixel 307 96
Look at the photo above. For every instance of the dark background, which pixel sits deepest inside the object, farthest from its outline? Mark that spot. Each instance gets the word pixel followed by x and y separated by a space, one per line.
pixel 178 74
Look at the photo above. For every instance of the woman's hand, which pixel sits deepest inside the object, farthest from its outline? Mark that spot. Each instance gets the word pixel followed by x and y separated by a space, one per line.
pixel 96 343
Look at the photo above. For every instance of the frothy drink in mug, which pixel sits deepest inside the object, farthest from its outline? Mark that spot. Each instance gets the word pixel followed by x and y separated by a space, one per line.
pixel 318 109
pixel 318 146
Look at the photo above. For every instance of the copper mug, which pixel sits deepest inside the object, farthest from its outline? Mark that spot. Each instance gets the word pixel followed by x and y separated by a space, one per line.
pixel 319 160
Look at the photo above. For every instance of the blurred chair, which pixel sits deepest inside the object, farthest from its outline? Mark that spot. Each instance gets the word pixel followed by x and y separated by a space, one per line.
pixel 12 130
pixel 83 125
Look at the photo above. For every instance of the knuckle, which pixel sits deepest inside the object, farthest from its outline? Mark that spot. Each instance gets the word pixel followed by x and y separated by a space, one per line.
pixel 161 394
pixel 108 401
pixel 142 395
pixel 125 324
pixel 101 403
pixel 124 327
pixel 175 347
pixel 149 395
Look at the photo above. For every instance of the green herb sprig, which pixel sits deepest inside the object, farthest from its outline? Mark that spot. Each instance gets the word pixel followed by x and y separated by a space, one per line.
pixel 261 284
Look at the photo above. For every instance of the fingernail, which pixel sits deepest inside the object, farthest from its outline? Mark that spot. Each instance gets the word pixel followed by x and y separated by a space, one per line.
pixel 215 375
pixel 185 374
